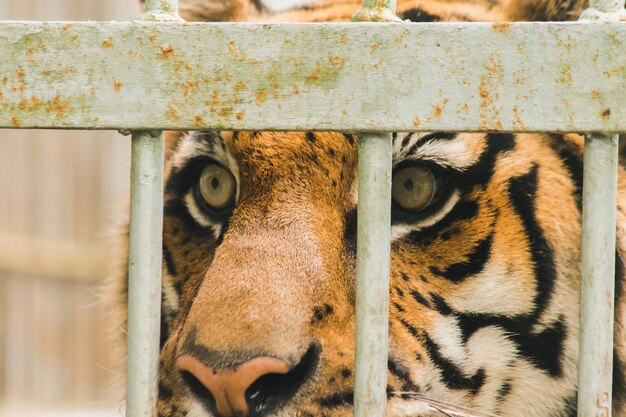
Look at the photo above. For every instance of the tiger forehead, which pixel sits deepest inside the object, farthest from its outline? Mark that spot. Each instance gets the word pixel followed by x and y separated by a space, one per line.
pixel 292 145
pixel 265 154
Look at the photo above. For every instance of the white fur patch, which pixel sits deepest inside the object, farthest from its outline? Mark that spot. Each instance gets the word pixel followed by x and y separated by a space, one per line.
pixel 400 230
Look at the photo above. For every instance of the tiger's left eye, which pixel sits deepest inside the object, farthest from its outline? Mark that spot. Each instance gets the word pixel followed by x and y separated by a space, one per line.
pixel 413 188
pixel 217 187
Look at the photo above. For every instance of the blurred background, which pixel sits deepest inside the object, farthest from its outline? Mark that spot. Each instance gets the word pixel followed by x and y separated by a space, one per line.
pixel 62 193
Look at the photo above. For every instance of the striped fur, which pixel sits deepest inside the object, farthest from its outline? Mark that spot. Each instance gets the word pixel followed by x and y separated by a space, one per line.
pixel 484 283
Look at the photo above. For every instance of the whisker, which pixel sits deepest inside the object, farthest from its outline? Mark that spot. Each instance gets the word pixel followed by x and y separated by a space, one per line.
pixel 441 411
pixel 443 407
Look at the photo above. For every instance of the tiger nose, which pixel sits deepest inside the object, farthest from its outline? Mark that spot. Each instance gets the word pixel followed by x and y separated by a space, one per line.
pixel 230 387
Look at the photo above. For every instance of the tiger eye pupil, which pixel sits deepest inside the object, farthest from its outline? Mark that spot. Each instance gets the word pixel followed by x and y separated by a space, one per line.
pixel 408 185
pixel 215 183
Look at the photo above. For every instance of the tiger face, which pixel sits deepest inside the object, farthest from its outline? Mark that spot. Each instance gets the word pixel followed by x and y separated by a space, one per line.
pixel 259 256
pixel 259 250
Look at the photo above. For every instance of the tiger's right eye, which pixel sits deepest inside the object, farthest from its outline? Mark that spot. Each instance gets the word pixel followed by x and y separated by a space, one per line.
pixel 413 188
pixel 217 187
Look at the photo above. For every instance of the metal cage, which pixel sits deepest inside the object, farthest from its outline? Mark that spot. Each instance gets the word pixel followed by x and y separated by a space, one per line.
pixel 145 76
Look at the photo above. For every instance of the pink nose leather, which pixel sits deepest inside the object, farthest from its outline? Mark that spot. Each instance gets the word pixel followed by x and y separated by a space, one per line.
pixel 228 386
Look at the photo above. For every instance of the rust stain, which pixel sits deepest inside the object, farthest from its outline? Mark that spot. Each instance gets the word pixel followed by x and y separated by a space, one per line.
pixel 225 111
pixel 189 86
pixel 155 32
pixel 416 121
pixel 166 52
pixel 439 108
pixel 107 43
pixel 240 115
pixel 488 89
pixel 501 27
pixel 172 114
pixel 131 53
pixel 240 86
pixel 374 46
pixel 182 65
pixel 215 99
pixel 343 38
pixel 595 94
pixel 57 107
pixel 197 120
pixel 5 80
pixel 565 77
pixel 65 28
pixel 30 53
pixel 518 123
pixel 117 85
pixel 232 46
pixel 16 122
pixel 337 61
pixel 606 114
pixel 74 38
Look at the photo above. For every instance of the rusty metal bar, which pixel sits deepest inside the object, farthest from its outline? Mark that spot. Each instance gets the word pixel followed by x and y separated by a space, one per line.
pixel 144 281
pixel 598 276
pixel 298 77
pixel 597 292
pixel 372 274
pixel 161 10
pixel 373 249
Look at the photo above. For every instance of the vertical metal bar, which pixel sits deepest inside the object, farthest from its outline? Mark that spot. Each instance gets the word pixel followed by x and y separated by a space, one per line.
pixel 144 284
pixel 598 275
pixel 372 274
pixel 145 254
pixel 161 10
pixel 373 253
pixel 377 11
pixel 597 298
pixel 164 6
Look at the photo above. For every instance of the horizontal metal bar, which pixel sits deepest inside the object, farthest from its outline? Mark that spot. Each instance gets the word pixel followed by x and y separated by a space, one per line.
pixel 448 76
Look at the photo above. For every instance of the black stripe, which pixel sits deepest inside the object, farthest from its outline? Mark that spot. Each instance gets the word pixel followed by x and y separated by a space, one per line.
pixel 522 192
pixel 462 211
pixel 480 173
pixel 544 349
pixel 420 298
pixel 426 139
pixel 619 379
pixel 574 166
pixel 403 374
pixel 474 263
pixel 349 232
pixel 169 261
pixel 412 330
pixel 419 15
pixel 451 374
pixel 337 400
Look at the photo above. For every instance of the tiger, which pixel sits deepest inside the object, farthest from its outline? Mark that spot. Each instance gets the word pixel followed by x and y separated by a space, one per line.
pixel 259 254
